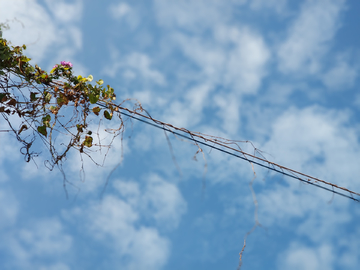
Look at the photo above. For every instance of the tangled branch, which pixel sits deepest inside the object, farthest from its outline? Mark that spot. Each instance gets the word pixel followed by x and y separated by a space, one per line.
pixel 52 104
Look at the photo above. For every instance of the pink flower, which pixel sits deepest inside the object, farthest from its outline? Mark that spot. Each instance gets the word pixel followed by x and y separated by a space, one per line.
pixel 55 66
pixel 64 63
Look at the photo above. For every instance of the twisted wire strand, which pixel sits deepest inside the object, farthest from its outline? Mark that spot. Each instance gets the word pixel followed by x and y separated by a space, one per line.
pixel 221 143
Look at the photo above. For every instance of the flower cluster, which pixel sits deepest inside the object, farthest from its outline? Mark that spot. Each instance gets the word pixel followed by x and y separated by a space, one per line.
pixel 64 63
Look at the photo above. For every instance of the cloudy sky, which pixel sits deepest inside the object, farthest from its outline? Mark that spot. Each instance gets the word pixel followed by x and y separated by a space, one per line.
pixel 282 74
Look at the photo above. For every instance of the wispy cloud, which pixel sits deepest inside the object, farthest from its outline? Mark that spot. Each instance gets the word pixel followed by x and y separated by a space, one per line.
pixel 119 10
pixel 40 239
pixel 43 29
pixel 114 223
pixel 309 37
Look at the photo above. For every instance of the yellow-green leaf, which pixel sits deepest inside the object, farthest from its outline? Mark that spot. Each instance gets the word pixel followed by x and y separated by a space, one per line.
pixel 46 120
pixel 88 141
pixel 96 110
pixel 62 100
pixel 93 98
pixel 47 97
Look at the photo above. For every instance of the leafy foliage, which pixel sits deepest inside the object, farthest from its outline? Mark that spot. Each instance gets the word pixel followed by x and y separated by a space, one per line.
pixel 50 104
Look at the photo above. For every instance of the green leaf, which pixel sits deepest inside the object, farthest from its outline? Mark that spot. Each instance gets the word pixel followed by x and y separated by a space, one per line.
pixel 88 141
pixel 33 96
pixel 100 82
pixel 53 109
pixel 3 96
pixel 96 110
pixel 46 120
pixel 29 69
pixel 62 100
pixel 93 98
pixel 90 78
pixel 47 97
pixel 107 115
pixel 25 59
pixel 42 130
pixel 5 55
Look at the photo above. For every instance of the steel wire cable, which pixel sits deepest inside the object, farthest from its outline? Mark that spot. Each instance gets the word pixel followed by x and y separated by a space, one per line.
pixel 280 169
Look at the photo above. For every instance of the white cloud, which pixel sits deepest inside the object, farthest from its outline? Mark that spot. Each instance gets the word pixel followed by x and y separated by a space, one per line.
pixel 301 257
pixel 191 15
pixel 149 250
pixel 32 24
pixel 126 16
pixel 117 222
pixel 98 167
pixel 9 209
pixel 278 5
pixel 349 257
pixel 189 111
pixel 330 219
pixel 245 65
pixel 119 10
pixel 64 11
pixel 46 238
pixel 341 76
pixel 279 206
pixel 306 205
pixel 113 218
pixel 7 153
pixel 318 142
pixel 309 36
pixel 234 57
pixel 229 112
pixel 113 223
pixel 26 19
pixel 56 266
pixel 165 201
pixel 141 63
pixel 159 200
pixel 133 66
pixel 43 239
pixel 356 101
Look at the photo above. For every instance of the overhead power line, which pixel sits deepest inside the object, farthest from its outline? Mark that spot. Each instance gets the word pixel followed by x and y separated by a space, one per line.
pixel 223 145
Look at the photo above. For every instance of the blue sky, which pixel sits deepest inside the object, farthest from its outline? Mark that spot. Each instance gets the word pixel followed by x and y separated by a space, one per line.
pixel 282 74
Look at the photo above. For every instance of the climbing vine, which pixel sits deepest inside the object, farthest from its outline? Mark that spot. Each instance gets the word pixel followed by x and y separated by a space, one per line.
pixel 52 103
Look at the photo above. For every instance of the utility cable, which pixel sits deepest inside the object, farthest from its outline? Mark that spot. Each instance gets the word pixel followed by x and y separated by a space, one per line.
pixel 280 169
